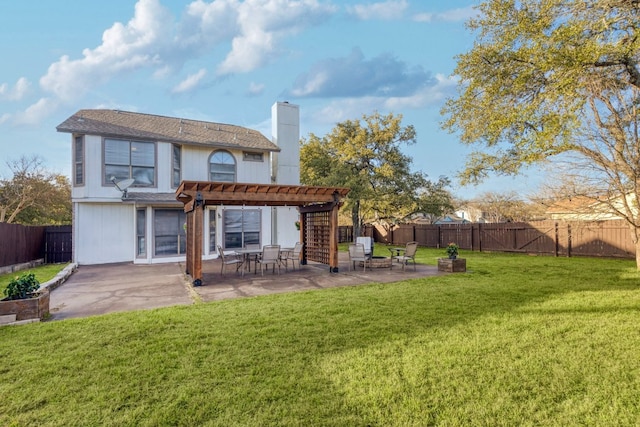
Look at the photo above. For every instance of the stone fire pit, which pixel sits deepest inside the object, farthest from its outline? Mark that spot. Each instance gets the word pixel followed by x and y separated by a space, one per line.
pixel 378 262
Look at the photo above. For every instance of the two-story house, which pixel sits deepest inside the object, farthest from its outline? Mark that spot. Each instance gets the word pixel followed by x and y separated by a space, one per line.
pixel 127 166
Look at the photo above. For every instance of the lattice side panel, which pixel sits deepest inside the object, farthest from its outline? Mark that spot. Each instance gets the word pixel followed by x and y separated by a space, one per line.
pixel 317 233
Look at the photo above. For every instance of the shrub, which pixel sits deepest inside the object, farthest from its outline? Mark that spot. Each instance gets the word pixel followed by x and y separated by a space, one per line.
pixel 22 287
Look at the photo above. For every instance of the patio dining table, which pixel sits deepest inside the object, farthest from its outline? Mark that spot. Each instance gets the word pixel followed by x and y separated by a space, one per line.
pixel 248 254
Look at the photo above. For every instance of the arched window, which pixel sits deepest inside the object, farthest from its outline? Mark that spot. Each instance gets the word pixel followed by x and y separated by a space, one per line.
pixel 222 167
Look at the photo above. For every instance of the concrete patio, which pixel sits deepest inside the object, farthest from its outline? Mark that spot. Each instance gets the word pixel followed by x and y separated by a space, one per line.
pixel 100 289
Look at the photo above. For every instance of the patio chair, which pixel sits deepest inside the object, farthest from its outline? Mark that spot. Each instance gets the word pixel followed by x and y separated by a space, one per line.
pixel 230 258
pixel 409 255
pixel 293 255
pixel 270 256
pixel 367 242
pixel 356 253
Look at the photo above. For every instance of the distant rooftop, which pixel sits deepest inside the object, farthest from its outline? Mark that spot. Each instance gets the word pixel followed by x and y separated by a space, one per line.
pixel 119 124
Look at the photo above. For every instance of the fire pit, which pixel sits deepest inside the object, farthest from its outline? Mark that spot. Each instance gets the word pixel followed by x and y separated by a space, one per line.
pixel 378 262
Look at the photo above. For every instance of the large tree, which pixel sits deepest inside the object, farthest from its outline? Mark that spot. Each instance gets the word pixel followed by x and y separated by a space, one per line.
pixel 365 156
pixel 34 195
pixel 555 80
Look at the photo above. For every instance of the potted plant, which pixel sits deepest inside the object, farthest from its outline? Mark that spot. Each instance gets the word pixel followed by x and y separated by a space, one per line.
pixel 297 223
pixel 23 300
pixel 452 250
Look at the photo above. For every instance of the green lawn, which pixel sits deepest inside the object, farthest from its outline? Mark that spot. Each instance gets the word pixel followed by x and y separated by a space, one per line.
pixel 43 273
pixel 519 340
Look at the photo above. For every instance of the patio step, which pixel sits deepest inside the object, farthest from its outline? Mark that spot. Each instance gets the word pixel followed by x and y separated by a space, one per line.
pixel 5 319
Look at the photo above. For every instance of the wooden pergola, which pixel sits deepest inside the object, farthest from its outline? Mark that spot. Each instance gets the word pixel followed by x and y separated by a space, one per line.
pixel 318 208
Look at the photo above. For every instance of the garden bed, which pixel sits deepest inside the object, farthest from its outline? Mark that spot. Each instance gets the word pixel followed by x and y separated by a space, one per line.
pixel 28 308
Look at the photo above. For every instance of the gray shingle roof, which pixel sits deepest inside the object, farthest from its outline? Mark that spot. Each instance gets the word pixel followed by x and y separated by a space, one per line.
pixel 119 124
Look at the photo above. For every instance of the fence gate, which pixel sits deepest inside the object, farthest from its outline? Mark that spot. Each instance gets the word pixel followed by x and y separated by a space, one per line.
pixel 58 243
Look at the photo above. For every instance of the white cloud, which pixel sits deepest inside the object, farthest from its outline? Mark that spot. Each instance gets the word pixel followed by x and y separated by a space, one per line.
pixel 255 89
pixel 190 83
pixel 15 93
pixel 350 108
pixel 354 75
pixel 152 39
pixel 388 10
pixel 452 15
pixel 263 23
pixel 35 113
pixel 124 48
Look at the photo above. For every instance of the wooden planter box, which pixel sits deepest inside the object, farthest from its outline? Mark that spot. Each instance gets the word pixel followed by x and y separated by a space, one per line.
pixel 458 265
pixel 24 309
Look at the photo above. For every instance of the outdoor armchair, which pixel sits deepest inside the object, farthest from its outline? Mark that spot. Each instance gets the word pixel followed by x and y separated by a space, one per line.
pixel 230 258
pixel 270 256
pixel 356 253
pixel 409 255
pixel 367 242
pixel 293 255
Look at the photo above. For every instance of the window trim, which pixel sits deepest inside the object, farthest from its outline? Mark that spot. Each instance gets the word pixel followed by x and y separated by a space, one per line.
pixel 106 182
pixel 153 249
pixel 251 156
pixel 141 250
pixel 173 166
pixel 235 164
pixel 81 162
pixel 242 232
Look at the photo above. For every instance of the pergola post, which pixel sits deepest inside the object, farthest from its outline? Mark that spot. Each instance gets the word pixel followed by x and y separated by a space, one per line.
pixel 333 238
pixel 195 220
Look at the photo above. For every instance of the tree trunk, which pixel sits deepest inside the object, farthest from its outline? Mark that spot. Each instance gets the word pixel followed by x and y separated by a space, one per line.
pixel 355 219
pixel 635 234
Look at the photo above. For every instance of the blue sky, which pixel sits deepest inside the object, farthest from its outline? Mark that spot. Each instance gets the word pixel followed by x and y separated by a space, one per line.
pixel 228 61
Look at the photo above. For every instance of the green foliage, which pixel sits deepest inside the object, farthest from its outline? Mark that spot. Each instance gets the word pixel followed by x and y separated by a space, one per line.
pixel 22 287
pixel 452 249
pixel 365 156
pixel 555 80
pixel 43 274
pixel 519 340
pixel 546 77
pixel 34 195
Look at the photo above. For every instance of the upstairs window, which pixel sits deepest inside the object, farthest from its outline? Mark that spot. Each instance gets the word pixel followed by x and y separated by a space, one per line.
pixel 222 167
pixel 176 163
pixel 130 159
pixel 249 156
pixel 78 161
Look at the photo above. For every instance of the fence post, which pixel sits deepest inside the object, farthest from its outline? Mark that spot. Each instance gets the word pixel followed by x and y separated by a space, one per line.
pixel 568 240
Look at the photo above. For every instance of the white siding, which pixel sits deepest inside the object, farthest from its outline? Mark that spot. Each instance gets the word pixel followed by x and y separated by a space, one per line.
pixel 103 233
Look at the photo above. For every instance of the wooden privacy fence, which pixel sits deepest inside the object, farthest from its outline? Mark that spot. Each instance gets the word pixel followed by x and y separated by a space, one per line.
pixel 21 243
pixel 559 238
pixel 58 243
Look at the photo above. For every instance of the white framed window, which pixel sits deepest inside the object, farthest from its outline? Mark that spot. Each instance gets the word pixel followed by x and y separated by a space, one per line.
pixel 241 227
pixel 141 233
pixel 213 248
pixel 250 156
pixel 130 159
pixel 78 161
pixel 169 232
pixel 176 165
pixel 222 167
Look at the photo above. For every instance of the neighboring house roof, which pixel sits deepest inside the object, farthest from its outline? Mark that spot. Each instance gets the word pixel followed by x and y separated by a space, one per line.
pixel 451 219
pixel 118 124
pixel 581 208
